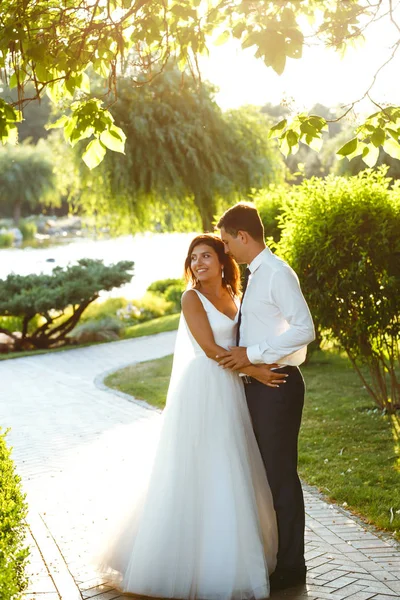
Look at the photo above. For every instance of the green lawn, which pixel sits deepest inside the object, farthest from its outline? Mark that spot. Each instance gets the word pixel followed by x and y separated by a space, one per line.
pixel 167 323
pixel 146 381
pixel 348 449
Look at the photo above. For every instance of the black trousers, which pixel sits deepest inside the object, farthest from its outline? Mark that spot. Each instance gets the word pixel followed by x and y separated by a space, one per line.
pixel 276 416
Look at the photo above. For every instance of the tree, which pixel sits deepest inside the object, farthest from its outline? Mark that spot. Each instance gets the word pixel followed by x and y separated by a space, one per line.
pixel 59 298
pixel 36 114
pixel 183 154
pixel 26 177
pixel 56 44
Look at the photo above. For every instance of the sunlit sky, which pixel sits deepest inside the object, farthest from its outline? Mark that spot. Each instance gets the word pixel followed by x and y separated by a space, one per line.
pixel 320 76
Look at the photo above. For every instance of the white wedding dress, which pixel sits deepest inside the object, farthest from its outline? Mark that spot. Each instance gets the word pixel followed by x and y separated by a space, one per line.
pixel 205 527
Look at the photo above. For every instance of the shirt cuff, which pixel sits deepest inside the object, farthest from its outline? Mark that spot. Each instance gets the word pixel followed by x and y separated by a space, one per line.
pixel 254 354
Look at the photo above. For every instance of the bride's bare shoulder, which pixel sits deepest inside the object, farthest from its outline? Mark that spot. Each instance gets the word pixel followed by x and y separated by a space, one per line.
pixel 191 302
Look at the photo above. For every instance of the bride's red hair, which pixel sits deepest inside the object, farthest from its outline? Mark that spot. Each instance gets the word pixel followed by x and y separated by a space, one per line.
pixel 231 277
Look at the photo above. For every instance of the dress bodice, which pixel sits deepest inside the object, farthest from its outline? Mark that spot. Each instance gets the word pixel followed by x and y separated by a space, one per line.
pixel 223 327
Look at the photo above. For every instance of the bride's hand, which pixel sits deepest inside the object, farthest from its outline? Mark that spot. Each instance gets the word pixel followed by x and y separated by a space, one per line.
pixel 267 376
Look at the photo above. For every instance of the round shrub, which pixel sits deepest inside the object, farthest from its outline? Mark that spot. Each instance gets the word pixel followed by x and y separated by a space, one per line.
pixel 152 306
pixel 342 237
pixel 13 510
pixel 107 329
pixel 270 205
pixel 6 239
pixel 174 295
pixel 161 285
pixel 28 230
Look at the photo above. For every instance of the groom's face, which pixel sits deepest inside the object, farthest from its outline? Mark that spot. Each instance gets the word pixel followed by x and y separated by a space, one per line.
pixel 234 246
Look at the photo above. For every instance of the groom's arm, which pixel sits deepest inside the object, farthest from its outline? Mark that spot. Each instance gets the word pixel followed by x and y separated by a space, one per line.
pixel 287 296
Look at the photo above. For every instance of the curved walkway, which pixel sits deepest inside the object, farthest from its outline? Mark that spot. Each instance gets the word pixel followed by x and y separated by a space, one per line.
pixel 69 434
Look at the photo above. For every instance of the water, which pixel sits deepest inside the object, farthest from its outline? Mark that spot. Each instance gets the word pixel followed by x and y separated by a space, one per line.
pixel 156 256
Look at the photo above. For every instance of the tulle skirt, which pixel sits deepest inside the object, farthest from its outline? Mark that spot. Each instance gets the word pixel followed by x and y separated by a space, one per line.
pixel 202 526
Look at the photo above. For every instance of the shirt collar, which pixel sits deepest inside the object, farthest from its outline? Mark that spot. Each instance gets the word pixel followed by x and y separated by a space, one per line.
pixel 256 262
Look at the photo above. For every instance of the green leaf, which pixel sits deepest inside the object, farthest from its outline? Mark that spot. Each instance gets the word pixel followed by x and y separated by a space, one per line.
pixel 395 134
pixel 392 148
pixel 306 127
pixel 276 129
pixel 61 122
pixel 238 30
pixel 221 39
pixel 94 153
pixel 292 138
pixel 348 148
pixel 378 137
pixel 69 127
pixel 84 83
pixel 13 81
pixel 284 147
pixel 251 39
pixel 42 73
pixel 272 48
pixel 183 12
pixel 370 155
pixel 114 138
pixel 101 68
pixel 314 142
pixel 294 43
pixel 288 18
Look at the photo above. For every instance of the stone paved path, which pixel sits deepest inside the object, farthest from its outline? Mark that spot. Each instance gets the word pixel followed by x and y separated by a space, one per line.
pixel 71 437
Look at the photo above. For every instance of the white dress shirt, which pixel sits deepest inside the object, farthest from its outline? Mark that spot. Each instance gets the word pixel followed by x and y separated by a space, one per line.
pixel 276 322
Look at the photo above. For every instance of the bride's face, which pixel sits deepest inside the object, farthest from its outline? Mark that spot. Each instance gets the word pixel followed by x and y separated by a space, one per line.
pixel 204 263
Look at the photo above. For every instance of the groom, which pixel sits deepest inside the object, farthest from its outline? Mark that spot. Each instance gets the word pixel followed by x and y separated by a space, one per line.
pixel 275 326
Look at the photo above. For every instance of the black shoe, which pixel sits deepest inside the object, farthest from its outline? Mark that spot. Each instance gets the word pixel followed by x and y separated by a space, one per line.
pixel 282 579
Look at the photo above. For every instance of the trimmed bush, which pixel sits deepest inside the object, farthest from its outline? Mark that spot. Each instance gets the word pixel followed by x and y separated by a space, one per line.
pixel 28 230
pixel 13 510
pixel 107 329
pixel 6 239
pixel 174 295
pixel 161 285
pixel 170 289
pixel 152 306
pixel 270 205
pixel 342 237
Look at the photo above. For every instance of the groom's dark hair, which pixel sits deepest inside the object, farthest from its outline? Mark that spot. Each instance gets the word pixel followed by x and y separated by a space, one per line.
pixel 242 217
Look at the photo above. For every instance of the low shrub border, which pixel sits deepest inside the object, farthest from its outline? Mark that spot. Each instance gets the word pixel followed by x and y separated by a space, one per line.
pixel 13 510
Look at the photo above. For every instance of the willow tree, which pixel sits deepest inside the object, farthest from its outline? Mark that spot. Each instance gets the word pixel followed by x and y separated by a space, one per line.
pixel 183 152
pixel 26 178
pixel 56 44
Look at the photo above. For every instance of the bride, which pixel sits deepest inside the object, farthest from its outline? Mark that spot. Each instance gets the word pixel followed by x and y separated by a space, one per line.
pixel 205 528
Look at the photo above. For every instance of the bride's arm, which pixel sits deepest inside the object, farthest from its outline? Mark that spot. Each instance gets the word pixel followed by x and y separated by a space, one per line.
pixel 198 323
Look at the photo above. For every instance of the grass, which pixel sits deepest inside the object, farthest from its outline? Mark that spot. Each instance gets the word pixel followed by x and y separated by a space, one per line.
pixel 167 323
pixel 159 325
pixel 347 449
pixel 147 380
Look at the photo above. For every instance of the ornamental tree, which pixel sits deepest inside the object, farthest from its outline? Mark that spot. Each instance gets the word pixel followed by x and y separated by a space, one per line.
pixel 58 299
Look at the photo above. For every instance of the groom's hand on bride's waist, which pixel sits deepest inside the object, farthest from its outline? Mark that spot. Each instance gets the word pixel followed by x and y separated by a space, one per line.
pixel 235 358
